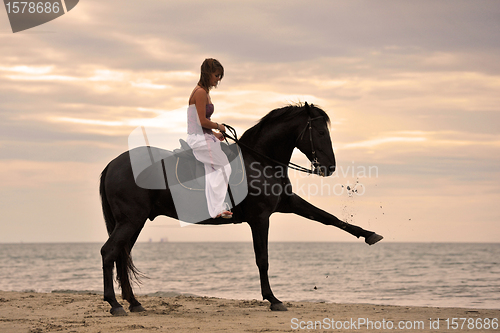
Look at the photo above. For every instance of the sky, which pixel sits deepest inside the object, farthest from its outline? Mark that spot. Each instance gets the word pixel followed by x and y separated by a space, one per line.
pixel 411 88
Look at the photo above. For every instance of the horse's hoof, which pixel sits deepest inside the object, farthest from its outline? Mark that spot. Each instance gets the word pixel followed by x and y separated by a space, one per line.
pixel 137 308
pixel 120 311
pixel 374 238
pixel 278 307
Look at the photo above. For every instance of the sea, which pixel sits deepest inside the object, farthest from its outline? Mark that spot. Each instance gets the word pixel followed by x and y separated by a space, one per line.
pixel 465 275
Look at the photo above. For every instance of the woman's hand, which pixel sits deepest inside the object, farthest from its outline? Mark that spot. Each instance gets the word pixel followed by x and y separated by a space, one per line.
pixel 221 127
pixel 219 136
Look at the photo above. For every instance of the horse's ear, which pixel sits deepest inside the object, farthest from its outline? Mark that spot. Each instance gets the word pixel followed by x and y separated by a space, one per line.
pixel 308 109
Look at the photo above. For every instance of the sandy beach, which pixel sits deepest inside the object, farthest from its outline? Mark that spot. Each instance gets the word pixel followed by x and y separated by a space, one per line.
pixel 80 312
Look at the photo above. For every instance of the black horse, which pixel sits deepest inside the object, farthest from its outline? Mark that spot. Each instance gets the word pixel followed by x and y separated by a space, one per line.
pixel 267 147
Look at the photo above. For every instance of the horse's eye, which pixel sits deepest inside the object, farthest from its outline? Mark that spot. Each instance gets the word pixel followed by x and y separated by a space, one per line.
pixel 321 133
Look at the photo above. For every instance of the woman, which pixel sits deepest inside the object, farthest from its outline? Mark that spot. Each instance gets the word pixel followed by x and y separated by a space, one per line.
pixel 205 142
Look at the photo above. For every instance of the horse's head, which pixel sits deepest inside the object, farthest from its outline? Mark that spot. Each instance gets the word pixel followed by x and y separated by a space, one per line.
pixel 314 141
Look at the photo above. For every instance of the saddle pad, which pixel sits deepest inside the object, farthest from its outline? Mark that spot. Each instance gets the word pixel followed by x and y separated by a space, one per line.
pixel 191 173
pixel 159 169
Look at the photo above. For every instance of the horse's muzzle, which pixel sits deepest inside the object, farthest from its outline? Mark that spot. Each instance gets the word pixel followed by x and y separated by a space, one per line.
pixel 323 171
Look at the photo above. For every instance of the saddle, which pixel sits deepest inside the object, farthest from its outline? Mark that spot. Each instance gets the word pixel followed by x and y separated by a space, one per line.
pixel 190 172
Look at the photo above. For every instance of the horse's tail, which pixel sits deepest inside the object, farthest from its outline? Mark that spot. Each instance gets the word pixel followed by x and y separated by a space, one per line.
pixel 106 208
pixel 125 268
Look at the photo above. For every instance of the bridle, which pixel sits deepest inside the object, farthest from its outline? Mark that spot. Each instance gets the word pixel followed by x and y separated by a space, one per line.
pixel 315 169
pixel 314 160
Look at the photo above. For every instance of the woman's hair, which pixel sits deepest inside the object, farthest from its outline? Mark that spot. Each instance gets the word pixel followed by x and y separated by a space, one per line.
pixel 209 67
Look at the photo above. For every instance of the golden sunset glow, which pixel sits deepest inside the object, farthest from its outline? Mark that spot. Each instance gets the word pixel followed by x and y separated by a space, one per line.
pixel 414 98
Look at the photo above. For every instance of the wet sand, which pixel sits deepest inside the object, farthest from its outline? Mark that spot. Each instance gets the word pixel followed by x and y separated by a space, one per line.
pixel 67 312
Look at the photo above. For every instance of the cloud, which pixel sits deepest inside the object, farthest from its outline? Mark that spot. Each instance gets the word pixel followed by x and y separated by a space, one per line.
pixel 21 174
pixel 428 139
pixel 28 69
pixel 411 87
pixel 154 34
pixel 379 141
pixel 89 121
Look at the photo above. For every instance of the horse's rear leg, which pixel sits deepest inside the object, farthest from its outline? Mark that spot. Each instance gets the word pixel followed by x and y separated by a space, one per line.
pixel 110 252
pixel 117 249
pixel 260 235
pixel 127 292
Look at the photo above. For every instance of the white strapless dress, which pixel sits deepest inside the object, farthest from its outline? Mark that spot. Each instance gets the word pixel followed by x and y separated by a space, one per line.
pixel 206 148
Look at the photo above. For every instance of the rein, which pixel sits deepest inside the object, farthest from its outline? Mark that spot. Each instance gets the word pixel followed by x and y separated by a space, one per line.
pixel 314 162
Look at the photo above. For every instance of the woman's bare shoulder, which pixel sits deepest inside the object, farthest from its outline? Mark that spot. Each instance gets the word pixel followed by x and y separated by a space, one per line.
pixel 198 95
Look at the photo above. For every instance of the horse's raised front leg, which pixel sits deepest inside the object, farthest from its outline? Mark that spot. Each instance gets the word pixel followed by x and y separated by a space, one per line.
pixel 295 204
pixel 260 233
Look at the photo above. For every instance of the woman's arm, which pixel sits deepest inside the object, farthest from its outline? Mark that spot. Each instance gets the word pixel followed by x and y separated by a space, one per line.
pixel 201 101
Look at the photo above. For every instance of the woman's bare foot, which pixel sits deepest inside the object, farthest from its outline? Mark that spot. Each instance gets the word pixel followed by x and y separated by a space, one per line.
pixel 225 214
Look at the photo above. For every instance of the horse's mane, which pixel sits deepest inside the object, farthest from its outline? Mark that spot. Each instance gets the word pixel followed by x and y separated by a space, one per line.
pixel 285 113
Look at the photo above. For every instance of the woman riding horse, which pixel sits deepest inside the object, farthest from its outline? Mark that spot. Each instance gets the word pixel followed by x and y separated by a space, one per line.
pixel 268 144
